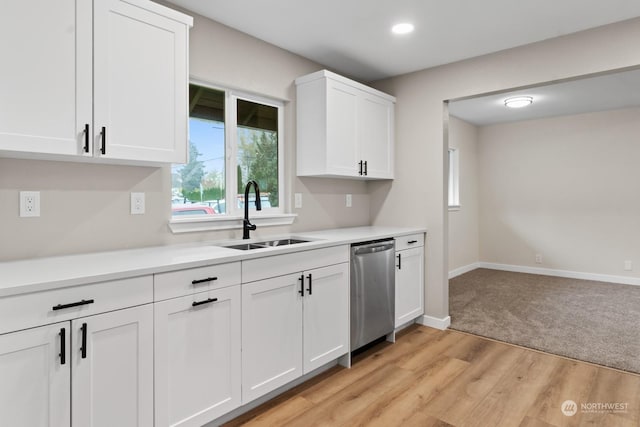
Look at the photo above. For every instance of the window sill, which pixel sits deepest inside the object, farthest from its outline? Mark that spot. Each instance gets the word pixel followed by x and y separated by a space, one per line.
pixel 195 224
pixel 454 208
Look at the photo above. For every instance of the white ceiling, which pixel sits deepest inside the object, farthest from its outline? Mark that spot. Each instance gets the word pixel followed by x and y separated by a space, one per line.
pixel 353 37
pixel 601 93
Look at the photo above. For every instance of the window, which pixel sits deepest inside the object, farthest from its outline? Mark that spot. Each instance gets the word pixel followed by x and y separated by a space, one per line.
pixel 233 138
pixel 454 178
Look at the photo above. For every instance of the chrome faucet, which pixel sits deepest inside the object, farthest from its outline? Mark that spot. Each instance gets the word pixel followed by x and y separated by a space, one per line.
pixel 246 225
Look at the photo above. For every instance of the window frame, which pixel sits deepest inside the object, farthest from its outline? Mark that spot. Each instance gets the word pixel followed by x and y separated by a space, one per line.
pixel 453 181
pixel 233 216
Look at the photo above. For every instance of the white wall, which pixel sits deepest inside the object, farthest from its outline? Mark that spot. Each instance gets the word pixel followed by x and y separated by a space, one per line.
pixel 85 207
pixel 567 188
pixel 418 195
pixel 464 246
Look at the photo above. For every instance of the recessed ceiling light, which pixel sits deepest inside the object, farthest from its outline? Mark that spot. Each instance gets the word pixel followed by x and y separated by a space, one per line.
pixel 518 101
pixel 403 28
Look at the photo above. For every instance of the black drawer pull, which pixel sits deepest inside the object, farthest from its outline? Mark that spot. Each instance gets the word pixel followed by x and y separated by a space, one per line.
pixel 301 291
pixel 103 146
pixel 207 301
pixel 399 262
pixel 83 349
pixel 310 289
pixel 412 241
pixel 86 138
pixel 365 168
pixel 73 304
pixel 63 345
pixel 208 279
pixel 360 164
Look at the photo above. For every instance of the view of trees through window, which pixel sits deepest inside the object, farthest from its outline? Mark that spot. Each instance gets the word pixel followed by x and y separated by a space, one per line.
pixel 200 186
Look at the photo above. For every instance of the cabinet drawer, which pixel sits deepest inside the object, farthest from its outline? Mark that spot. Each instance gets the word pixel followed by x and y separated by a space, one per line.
pixel 279 265
pixel 185 282
pixel 37 308
pixel 410 241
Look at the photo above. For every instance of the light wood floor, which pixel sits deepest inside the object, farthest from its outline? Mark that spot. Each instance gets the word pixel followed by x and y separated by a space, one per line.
pixel 448 378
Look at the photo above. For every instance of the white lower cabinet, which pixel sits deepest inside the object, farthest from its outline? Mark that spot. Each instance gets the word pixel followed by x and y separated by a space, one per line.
pixel 409 285
pixel 197 357
pixel 36 377
pixel 92 371
pixel 291 325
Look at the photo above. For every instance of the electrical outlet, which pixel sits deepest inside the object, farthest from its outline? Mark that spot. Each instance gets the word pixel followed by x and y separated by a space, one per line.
pixel 628 265
pixel 349 200
pixel 29 203
pixel 297 200
pixel 137 203
pixel 538 258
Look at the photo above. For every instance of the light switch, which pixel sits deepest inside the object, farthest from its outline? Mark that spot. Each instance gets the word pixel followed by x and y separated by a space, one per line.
pixel 298 200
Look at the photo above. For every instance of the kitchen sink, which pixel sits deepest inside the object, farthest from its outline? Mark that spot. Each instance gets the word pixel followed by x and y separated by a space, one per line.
pixel 281 242
pixel 246 246
pixel 266 244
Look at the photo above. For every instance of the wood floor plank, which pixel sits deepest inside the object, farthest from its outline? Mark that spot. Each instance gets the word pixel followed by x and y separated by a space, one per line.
pixel 467 391
pixel 405 401
pixel 449 379
pixel 352 400
pixel 509 401
pixel 571 380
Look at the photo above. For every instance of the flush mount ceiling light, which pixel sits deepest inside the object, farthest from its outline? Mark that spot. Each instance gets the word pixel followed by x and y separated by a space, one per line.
pixel 518 101
pixel 403 28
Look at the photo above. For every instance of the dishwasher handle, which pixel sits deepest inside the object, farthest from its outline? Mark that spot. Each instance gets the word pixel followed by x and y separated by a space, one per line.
pixel 373 248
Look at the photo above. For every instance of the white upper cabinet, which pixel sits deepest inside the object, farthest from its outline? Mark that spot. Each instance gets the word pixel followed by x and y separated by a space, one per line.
pixel 46 83
pixel 104 79
pixel 344 128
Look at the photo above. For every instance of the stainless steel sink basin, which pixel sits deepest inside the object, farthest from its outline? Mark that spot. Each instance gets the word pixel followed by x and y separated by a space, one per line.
pixel 246 246
pixel 281 242
pixel 266 244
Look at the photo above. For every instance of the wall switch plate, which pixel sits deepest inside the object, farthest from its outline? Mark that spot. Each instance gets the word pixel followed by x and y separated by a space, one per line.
pixel 349 200
pixel 538 258
pixel 297 200
pixel 137 203
pixel 29 203
pixel 628 265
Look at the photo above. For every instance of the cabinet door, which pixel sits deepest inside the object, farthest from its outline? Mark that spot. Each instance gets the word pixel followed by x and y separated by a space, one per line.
pixel 326 315
pixel 45 88
pixel 409 285
pixel 342 130
pixel 140 83
pixel 112 375
pixel 35 385
pixel 375 135
pixel 271 334
pixel 197 350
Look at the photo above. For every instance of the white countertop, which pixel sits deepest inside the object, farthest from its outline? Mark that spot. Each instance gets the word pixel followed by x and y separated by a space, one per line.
pixel 18 277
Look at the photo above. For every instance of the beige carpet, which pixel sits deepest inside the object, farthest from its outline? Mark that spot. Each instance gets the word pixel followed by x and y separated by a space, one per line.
pixel 592 321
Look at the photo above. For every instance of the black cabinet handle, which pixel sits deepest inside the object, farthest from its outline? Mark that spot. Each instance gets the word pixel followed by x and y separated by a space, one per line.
pixel 86 138
pixel 103 147
pixel 63 344
pixel 301 278
pixel 83 348
pixel 399 261
pixel 365 168
pixel 207 301
pixel 412 242
pixel 310 284
pixel 73 304
pixel 208 279
pixel 360 164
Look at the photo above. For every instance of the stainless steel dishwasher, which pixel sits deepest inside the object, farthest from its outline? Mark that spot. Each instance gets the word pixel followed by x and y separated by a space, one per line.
pixel 372 291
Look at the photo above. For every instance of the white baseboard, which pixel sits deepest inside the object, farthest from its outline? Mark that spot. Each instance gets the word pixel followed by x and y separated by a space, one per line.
pixel 625 280
pixel 435 322
pixel 464 269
